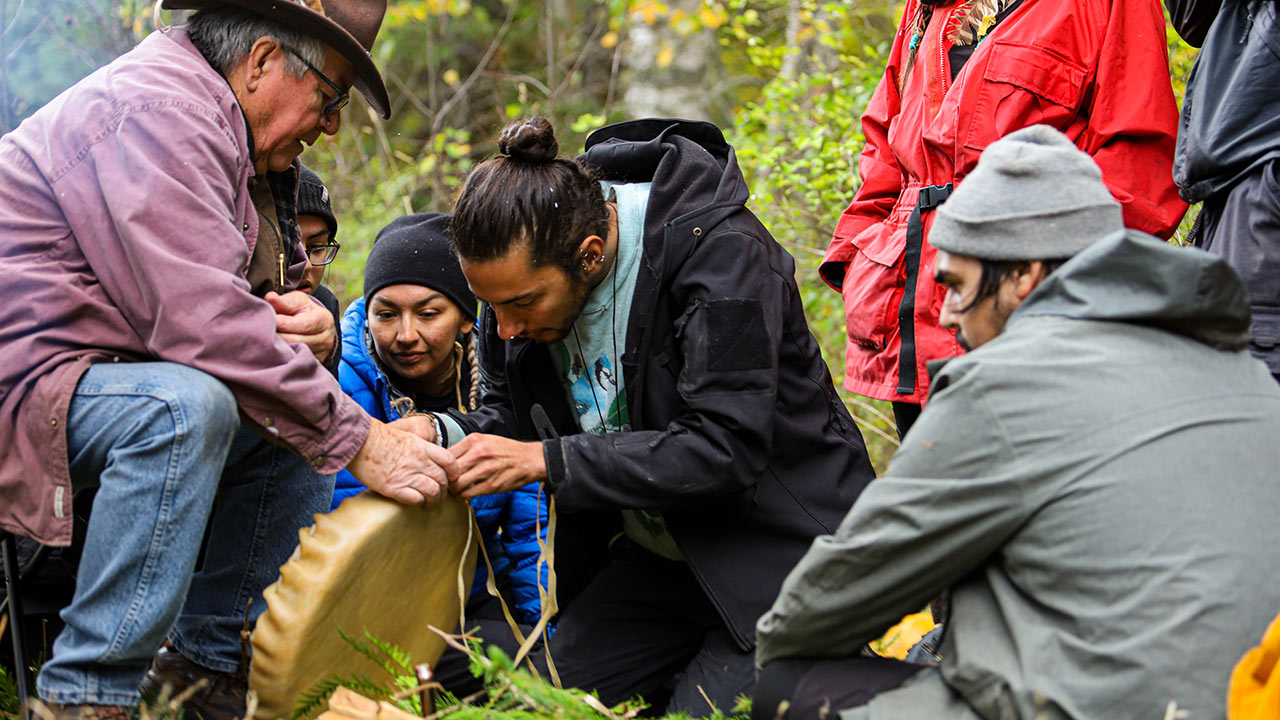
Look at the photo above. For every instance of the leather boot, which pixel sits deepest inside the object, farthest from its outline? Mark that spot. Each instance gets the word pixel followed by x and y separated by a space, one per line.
pixel 58 711
pixel 223 696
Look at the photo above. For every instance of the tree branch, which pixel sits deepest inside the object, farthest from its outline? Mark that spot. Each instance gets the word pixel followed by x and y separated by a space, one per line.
pixel 16 14
pixel 582 56
pixel 479 69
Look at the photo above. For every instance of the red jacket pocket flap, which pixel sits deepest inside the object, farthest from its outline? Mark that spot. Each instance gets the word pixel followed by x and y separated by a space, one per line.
pixel 882 243
pixel 1038 71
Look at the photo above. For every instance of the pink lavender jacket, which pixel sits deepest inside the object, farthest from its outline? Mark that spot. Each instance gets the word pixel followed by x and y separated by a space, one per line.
pixel 126 230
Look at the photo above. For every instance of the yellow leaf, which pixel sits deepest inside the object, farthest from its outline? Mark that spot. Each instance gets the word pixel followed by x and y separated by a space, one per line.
pixel 712 17
pixel 609 41
pixel 901 637
pixel 649 12
pixel 450 77
pixel 665 56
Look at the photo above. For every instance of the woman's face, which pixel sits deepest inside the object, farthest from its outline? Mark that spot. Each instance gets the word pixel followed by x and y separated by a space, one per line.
pixel 413 329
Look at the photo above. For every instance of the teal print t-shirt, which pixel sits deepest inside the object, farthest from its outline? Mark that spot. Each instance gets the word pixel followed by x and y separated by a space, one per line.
pixel 589 358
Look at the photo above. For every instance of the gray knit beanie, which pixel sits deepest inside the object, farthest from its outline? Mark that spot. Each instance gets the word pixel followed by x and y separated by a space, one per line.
pixel 1033 196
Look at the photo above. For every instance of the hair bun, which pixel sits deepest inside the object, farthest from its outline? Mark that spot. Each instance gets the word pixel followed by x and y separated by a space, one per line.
pixel 532 141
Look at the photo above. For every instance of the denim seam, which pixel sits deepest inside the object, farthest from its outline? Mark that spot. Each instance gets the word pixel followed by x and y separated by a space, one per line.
pixel 268 487
pixel 159 536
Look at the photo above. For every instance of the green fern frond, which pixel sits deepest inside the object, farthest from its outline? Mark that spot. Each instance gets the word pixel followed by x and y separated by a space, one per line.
pixel 8 694
pixel 402 660
pixel 316 697
pixel 370 653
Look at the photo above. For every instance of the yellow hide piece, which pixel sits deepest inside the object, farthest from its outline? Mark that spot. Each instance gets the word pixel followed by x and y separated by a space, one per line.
pixel 373 565
pixel 1254 693
pixel 901 637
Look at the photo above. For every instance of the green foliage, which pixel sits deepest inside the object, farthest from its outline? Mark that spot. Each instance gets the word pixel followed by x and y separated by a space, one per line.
pixel 798 142
pixel 511 693
pixel 1181 58
pixel 8 694
pixel 457 71
pixel 391 659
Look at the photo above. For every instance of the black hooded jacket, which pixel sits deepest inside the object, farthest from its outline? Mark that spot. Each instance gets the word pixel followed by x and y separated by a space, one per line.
pixel 1231 113
pixel 738 436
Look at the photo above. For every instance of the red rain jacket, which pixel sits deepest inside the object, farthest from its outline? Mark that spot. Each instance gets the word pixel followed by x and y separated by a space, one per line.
pixel 1098 70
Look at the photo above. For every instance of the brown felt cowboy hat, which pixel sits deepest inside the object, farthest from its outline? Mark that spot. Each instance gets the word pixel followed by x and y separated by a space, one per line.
pixel 347 26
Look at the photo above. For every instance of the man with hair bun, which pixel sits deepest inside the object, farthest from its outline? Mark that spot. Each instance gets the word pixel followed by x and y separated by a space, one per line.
pixel 1093 486
pixel 155 350
pixel 694 443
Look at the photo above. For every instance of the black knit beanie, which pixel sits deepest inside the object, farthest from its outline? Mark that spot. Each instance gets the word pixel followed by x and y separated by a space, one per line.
pixel 313 199
pixel 417 250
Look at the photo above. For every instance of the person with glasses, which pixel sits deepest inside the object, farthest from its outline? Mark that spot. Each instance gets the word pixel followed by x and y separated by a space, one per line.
pixel 319 230
pixel 155 348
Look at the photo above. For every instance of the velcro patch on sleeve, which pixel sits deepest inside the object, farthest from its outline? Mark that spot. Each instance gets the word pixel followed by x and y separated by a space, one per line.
pixel 737 336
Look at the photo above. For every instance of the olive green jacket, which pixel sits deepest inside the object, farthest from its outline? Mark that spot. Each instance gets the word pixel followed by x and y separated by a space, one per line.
pixel 1097 487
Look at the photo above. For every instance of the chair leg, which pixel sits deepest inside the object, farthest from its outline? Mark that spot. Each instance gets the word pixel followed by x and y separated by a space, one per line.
pixel 8 549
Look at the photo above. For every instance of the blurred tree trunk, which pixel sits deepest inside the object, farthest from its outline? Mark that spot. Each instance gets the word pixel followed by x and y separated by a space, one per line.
pixel 805 51
pixel 669 74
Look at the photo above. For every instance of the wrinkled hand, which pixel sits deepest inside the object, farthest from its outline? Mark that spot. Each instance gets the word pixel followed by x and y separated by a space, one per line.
pixel 403 466
pixel 490 464
pixel 300 319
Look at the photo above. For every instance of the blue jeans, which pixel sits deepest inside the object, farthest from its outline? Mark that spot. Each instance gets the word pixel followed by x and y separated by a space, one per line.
pixel 164 445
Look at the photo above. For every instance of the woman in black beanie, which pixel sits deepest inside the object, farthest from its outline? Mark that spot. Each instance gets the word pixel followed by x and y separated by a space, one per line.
pixel 408 343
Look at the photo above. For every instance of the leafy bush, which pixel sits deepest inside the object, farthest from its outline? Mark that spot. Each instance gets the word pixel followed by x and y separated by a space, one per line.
pixel 798 142
pixel 511 693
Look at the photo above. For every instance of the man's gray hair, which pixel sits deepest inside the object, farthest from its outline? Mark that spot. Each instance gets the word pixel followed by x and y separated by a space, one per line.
pixel 224 35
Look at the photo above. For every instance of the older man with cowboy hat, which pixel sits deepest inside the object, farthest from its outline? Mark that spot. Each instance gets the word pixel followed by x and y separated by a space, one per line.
pixel 154 349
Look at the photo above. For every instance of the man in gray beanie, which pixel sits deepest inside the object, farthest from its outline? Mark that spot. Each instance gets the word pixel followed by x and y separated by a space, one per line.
pixel 1091 488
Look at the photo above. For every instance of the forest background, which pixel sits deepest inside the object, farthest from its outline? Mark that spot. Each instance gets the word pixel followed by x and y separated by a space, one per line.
pixel 786 79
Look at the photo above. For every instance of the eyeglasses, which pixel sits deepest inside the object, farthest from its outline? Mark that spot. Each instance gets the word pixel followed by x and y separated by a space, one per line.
pixel 322 254
pixel 336 103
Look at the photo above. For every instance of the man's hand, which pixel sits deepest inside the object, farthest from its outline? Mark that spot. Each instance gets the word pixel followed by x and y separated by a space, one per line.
pixel 403 466
pixel 300 319
pixel 491 464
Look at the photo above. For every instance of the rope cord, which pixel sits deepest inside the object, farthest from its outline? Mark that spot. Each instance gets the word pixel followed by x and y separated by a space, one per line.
pixel 546 548
pixel 474 401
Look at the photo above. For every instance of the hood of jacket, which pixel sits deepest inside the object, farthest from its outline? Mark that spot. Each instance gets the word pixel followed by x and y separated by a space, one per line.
pixel 1131 277
pixel 694 171
pixel 357 358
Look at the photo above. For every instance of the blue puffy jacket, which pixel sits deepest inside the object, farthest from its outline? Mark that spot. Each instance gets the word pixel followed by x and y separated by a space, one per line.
pixel 508 521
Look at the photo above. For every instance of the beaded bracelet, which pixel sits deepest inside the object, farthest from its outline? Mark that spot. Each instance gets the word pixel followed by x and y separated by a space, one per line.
pixel 435 425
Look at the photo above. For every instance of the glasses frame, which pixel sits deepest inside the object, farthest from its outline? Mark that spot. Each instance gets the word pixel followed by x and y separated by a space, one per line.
pixel 336 104
pixel 331 249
